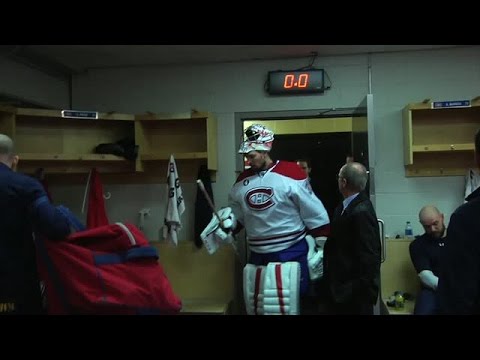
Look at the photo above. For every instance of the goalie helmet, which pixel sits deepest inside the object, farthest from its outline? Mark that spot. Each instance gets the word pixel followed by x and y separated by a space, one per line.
pixel 257 137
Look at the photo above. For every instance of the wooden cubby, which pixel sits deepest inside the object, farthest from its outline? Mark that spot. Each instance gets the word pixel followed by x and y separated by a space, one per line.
pixel 439 142
pixel 45 139
pixel 190 137
pixel 64 147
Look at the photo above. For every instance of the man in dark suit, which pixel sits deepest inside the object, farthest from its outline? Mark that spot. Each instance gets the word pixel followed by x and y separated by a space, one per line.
pixel 353 250
pixel 459 281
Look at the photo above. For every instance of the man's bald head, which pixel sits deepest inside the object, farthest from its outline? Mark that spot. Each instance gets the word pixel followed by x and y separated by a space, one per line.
pixel 7 151
pixel 355 175
pixel 428 210
pixel 432 221
pixel 6 145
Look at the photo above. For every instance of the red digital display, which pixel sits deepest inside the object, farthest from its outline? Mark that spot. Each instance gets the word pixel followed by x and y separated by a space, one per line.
pixel 295 82
pixel 291 81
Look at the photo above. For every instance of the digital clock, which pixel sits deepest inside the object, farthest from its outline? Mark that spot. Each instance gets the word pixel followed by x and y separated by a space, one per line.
pixel 295 82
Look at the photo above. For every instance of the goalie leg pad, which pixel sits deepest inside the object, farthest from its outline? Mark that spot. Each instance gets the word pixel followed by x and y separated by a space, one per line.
pixel 282 288
pixel 273 289
pixel 253 280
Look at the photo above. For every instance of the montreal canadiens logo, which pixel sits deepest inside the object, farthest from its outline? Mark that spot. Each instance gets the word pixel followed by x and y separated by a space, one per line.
pixel 259 198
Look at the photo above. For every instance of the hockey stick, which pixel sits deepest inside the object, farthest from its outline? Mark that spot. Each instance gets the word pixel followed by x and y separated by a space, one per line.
pixel 210 203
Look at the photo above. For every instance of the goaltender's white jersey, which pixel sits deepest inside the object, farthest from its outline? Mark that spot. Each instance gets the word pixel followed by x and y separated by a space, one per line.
pixel 277 207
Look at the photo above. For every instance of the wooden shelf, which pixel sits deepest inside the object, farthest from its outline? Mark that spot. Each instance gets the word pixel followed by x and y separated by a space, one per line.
pixel 443 147
pixel 58 114
pixel 61 145
pixel 188 136
pixel 69 157
pixel 171 116
pixel 437 163
pixel 412 171
pixel 439 142
pixel 177 156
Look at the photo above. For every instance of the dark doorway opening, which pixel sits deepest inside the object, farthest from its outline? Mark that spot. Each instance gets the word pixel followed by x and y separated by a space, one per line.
pixel 327 153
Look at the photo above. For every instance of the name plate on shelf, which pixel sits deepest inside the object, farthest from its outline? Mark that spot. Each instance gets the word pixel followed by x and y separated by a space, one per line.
pixel 450 104
pixel 74 114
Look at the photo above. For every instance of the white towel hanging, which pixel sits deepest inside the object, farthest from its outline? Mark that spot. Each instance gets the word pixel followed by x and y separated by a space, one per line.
pixel 175 204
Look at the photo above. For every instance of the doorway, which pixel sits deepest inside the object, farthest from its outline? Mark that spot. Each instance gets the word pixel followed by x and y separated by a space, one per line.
pixel 325 136
pixel 324 141
pixel 326 153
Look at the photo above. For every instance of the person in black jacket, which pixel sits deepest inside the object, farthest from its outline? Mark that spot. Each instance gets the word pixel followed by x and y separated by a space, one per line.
pixel 353 250
pixel 459 280
pixel 425 253
pixel 24 209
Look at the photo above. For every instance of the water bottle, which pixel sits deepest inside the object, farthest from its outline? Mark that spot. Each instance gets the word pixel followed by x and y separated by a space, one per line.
pixel 409 231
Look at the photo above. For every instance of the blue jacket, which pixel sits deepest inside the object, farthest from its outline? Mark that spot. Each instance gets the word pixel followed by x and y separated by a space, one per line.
pixel 24 209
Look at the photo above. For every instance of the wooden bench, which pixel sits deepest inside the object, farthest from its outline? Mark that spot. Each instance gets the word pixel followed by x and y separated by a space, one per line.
pixel 205 283
pixel 206 307
pixel 398 274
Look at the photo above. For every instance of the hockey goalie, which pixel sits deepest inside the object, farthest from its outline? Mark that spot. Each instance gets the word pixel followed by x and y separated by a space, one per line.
pixel 286 227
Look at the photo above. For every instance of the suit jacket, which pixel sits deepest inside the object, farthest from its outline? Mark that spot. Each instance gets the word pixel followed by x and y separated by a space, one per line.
pixel 459 281
pixel 353 254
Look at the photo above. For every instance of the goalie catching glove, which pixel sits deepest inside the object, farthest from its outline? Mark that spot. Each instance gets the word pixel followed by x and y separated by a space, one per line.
pixel 214 234
pixel 315 256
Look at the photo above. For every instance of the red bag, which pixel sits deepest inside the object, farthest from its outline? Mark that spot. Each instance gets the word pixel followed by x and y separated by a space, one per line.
pixel 106 270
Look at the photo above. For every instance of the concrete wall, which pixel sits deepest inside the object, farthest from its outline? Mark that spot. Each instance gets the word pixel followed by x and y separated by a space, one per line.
pixel 32 85
pixel 226 89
